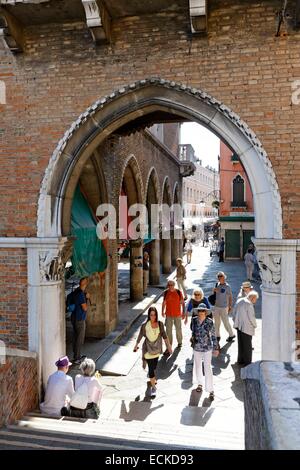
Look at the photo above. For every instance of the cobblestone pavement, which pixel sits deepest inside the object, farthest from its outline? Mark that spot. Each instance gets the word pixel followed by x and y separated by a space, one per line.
pixel 177 402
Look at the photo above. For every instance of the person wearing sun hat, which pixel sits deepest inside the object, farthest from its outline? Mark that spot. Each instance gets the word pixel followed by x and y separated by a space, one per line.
pixel 59 389
pixel 246 287
pixel 205 345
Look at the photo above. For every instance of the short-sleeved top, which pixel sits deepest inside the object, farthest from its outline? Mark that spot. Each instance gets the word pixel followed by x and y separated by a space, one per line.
pixel 173 303
pixel 222 295
pixel 80 299
pixel 95 390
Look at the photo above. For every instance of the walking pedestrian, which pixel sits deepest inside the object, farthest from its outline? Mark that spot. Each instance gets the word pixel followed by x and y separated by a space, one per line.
pixel 59 389
pixel 78 319
pixel 197 299
pixel 249 263
pixel 205 345
pixel 245 323
pixel 221 250
pixel 223 306
pixel 154 332
pixel 145 272
pixel 189 251
pixel 181 276
pixel 246 287
pixel 173 308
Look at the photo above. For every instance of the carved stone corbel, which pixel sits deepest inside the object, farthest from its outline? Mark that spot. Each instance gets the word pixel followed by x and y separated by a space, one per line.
pixel 97 20
pixel 270 269
pixel 52 262
pixel 198 16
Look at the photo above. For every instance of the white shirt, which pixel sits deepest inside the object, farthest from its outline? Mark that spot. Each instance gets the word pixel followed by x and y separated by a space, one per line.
pixel 244 316
pixel 95 390
pixel 58 393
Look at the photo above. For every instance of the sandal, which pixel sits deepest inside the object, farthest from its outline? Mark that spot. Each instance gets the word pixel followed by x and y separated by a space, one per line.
pixel 212 396
pixel 199 389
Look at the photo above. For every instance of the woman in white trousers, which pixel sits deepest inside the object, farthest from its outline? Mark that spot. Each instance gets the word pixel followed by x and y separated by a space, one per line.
pixel 205 345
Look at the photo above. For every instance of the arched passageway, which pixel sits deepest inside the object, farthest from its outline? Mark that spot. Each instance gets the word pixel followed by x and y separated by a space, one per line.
pixel 150 100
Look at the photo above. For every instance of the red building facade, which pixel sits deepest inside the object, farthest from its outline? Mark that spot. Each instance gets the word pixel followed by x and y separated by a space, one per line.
pixel 236 204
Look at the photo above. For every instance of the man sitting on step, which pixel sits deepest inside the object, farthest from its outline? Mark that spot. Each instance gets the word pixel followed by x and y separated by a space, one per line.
pixel 59 389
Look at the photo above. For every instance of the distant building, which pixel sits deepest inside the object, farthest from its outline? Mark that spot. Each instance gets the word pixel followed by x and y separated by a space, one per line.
pixel 236 213
pixel 199 190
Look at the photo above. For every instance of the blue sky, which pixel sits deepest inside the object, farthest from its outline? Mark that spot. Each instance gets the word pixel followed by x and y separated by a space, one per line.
pixel 205 143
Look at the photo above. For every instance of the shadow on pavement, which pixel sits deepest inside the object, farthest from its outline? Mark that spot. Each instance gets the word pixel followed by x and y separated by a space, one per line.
pixel 237 386
pixel 196 416
pixel 166 365
pixel 137 410
pixel 186 376
pixel 222 361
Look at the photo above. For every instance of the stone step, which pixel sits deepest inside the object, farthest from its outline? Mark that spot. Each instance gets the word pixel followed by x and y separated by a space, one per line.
pixel 117 433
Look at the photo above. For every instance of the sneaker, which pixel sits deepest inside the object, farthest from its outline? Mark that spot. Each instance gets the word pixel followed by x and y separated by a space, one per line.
pixel 179 345
pixel 153 392
pixel 230 338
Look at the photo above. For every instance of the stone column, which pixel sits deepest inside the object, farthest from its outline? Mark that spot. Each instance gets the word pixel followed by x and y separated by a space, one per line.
pixel 154 268
pixel 95 320
pixel 174 251
pixel 277 262
pixel 46 301
pixel 166 256
pixel 136 270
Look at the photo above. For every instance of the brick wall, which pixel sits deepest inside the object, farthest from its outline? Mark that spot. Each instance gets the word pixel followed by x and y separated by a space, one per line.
pixel 18 388
pixel 13 298
pixel 240 62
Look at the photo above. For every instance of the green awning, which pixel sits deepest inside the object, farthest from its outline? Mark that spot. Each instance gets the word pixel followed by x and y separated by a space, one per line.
pixel 89 254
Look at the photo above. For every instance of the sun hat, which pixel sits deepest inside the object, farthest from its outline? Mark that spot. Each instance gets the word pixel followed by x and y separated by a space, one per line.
pixel 247 284
pixel 63 362
pixel 202 307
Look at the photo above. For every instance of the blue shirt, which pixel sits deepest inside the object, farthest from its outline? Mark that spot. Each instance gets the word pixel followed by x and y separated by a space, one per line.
pixel 196 303
pixel 205 335
pixel 80 299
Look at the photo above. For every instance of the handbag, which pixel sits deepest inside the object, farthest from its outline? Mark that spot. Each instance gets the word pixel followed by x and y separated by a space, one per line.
pixel 80 398
pixel 193 341
pixel 213 297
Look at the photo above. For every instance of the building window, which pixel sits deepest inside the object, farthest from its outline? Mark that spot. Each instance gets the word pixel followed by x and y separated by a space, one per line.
pixel 238 191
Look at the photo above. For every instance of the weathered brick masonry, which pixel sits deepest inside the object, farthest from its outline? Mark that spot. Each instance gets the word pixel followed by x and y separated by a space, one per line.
pixel 61 72
pixel 18 388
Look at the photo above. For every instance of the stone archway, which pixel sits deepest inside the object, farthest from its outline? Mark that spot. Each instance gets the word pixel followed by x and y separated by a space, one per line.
pixel 152 196
pixel 166 242
pixel 176 248
pixel 132 187
pixel 141 99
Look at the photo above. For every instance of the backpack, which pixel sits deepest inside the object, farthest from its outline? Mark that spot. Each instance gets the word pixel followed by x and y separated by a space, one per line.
pixel 177 290
pixel 71 301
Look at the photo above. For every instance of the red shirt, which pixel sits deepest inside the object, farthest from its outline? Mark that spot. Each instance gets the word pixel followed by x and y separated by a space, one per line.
pixel 173 301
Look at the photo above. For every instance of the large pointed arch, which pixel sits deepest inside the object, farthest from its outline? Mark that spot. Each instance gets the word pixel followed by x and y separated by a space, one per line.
pixel 142 98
